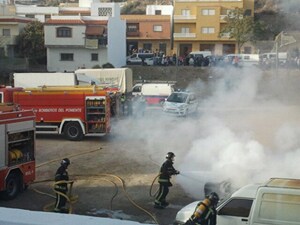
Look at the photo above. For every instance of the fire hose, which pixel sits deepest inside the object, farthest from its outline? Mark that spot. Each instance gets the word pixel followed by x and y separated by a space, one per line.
pixel 72 199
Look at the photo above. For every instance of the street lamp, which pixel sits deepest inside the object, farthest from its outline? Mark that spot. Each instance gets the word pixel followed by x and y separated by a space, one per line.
pixel 284 40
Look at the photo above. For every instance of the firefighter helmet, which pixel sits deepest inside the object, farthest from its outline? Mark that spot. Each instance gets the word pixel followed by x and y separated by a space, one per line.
pixel 65 162
pixel 170 155
pixel 214 198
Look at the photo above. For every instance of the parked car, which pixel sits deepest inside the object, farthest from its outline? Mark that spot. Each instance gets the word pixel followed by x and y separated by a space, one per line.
pixel 181 104
pixel 233 210
pixel 138 58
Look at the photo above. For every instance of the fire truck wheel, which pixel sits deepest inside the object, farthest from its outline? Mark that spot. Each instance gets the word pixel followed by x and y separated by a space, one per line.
pixel 73 131
pixel 12 187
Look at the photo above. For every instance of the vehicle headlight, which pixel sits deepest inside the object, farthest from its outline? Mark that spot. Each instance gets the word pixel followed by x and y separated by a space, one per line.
pixel 182 107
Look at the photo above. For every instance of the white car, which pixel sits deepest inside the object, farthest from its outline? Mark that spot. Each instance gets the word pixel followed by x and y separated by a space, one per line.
pixel 233 210
pixel 181 104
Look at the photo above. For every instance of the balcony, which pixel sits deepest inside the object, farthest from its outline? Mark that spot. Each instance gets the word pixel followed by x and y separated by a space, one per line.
pixel 184 35
pixel 225 35
pixel 95 43
pixel 184 17
pixel 132 33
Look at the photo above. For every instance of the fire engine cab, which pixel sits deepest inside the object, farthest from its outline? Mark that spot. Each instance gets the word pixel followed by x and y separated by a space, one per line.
pixel 17 150
pixel 74 111
pixel 6 93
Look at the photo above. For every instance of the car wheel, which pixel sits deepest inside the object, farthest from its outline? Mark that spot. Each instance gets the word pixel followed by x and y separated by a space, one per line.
pixel 13 185
pixel 73 131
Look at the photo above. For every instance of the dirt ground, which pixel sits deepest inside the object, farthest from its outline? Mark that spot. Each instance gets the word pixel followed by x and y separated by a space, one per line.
pixel 120 158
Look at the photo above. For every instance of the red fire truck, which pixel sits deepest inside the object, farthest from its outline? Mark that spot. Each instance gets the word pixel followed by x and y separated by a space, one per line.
pixel 6 93
pixel 74 111
pixel 17 150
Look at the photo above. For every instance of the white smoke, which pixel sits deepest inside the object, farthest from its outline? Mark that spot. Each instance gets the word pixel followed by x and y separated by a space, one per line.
pixel 247 131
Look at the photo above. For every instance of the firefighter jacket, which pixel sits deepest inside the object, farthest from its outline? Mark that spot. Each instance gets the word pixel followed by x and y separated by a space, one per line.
pixel 61 175
pixel 123 98
pixel 205 213
pixel 166 171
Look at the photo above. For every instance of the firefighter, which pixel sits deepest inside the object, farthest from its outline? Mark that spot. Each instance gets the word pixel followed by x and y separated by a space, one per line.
pixel 61 175
pixel 205 212
pixel 123 102
pixel 166 171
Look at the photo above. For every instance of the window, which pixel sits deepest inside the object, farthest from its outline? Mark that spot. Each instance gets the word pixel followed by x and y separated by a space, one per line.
pixel 137 89
pixel 208 12
pixel 6 32
pixel 157 28
pixel 1 97
pixel 63 32
pixel 94 56
pixel 163 47
pixel 208 30
pixel 66 57
pixel 237 207
pixel 157 12
pixel 132 27
pixel 147 46
pixel 29 16
pixel 185 12
pixel 185 30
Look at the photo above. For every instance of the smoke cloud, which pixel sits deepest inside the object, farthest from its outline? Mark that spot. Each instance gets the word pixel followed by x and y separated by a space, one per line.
pixel 247 131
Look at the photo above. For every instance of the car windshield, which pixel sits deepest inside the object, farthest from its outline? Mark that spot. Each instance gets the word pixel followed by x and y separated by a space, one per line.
pixel 177 97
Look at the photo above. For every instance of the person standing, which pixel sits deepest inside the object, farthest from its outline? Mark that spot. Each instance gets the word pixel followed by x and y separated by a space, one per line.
pixel 62 187
pixel 205 212
pixel 166 171
pixel 123 102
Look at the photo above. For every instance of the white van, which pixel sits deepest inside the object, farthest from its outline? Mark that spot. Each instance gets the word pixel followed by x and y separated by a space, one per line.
pixel 244 59
pixel 277 202
pixel 233 210
pixel 154 93
pixel 137 58
pixel 181 104
pixel 199 53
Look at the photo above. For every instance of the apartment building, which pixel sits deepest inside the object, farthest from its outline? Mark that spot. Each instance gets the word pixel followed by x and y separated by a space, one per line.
pixel 74 42
pixel 10 28
pixel 149 33
pixel 197 24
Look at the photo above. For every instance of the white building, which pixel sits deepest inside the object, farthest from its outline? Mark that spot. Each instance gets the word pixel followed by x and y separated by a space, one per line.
pixel 74 42
pixel 39 13
pixel 159 10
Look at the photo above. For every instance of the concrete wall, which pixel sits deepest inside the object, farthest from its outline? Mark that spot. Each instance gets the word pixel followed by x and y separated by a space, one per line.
pixel 25 217
pixel 116 41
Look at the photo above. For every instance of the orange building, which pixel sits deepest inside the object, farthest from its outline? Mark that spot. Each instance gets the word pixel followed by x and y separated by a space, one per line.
pixel 148 33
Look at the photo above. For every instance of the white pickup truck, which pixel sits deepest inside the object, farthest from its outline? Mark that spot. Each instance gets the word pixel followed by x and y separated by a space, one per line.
pixel 277 202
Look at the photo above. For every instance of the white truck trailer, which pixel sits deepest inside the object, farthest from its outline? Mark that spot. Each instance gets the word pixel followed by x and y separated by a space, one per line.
pixel 31 80
pixel 119 79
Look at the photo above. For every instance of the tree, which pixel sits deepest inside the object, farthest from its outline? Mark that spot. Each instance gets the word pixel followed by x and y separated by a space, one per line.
pixel 31 43
pixel 135 7
pixel 239 27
